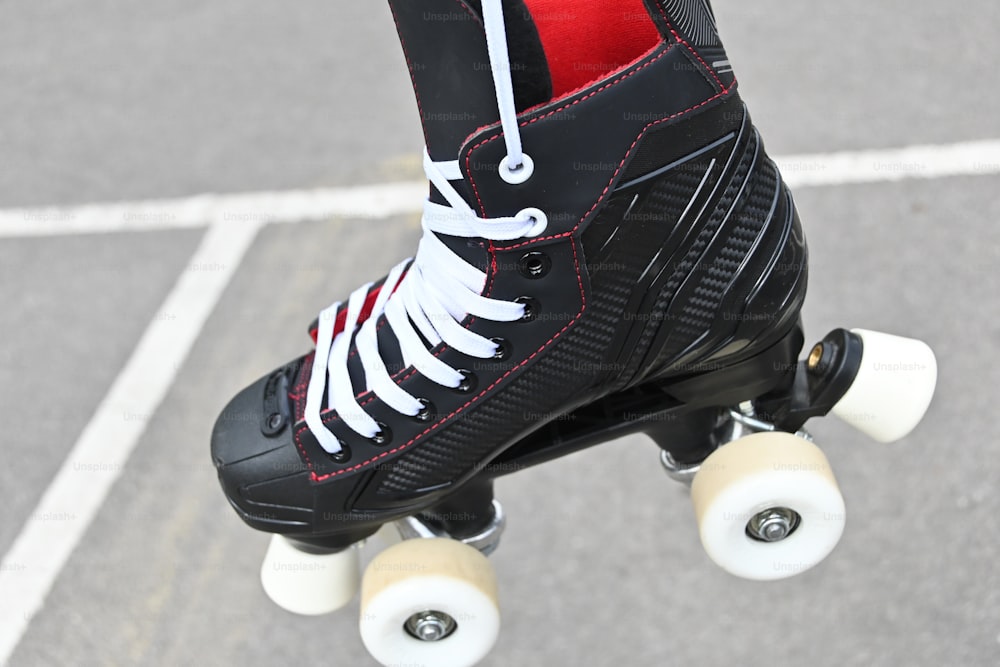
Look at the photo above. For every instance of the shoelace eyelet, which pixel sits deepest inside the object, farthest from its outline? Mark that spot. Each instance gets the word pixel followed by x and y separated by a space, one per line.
pixel 503 349
pixel 534 265
pixel 469 382
pixel 427 413
pixel 344 455
pixel 383 437
pixel 531 308
pixel 519 175
pixel 539 219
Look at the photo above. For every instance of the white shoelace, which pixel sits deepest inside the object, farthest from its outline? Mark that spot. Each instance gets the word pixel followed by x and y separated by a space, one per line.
pixel 435 292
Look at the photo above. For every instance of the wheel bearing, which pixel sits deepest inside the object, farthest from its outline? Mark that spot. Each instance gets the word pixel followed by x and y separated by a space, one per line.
pixel 773 524
pixel 430 626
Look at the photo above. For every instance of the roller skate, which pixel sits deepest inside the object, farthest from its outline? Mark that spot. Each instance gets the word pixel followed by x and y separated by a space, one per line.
pixel 607 249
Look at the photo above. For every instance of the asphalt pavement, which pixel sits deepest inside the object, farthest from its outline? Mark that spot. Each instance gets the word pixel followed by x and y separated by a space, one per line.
pixel 600 564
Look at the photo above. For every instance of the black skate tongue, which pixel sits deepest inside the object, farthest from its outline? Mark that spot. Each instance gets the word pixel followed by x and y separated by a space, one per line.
pixel 388 346
pixel 444 43
pixel 445 47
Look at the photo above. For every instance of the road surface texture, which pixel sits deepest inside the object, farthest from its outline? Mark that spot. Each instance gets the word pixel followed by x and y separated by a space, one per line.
pixel 112 101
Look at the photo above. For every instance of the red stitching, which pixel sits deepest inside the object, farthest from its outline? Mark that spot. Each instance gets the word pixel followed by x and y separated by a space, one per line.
pixel 378 327
pixel 475 17
pixel 543 238
pixel 580 89
pixel 300 388
pixel 302 450
pixel 303 376
pixel 639 137
pixel 621 164
pixel 331 416
pixel 298 434
pixel 680 39
pixel 525 123
pixel 394 450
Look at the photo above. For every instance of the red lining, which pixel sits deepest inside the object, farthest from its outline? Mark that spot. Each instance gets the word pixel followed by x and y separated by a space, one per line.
pixel 587 41
pixel 366 309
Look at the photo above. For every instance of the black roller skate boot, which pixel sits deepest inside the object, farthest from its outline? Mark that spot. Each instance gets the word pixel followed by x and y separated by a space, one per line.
pixel 607 249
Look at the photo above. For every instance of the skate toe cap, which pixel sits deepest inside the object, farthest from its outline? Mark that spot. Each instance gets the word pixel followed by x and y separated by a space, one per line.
pixel 257 420
pixel 258 464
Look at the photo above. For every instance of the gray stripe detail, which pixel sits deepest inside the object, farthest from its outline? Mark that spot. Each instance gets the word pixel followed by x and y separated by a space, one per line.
pixel 676 163
pixel 694 19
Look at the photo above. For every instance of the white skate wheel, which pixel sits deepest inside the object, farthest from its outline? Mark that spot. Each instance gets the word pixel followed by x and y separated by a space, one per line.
pixel 435 588
pixel 767 484
pixel 893 387
pixel 309 584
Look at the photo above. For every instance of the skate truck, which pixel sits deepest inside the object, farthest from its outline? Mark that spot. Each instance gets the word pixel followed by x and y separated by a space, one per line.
pixel 607 249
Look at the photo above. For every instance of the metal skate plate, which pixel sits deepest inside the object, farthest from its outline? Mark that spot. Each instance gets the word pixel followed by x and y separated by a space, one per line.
pixel 742 422
pixel 486 540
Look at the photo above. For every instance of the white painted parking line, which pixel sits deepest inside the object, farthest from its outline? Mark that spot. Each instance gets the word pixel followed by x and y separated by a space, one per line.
pixel 367 201
pixel 382 201
pixel 78 490
pixel 970 158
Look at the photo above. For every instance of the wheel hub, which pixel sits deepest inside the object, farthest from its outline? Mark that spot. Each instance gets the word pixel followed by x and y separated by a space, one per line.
pixel 773 524
pixel 430 626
